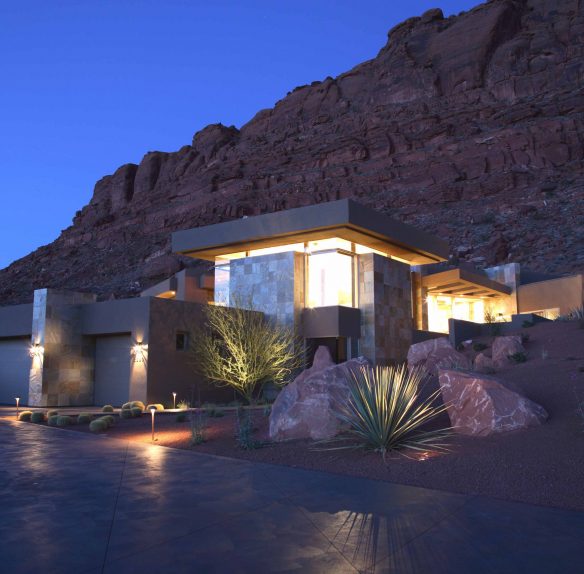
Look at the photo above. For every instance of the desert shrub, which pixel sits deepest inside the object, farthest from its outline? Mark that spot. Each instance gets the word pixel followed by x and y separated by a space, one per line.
pixel 98 425
pixel 137 404
pixel 108 419
pixel 84 418
pixel 156 406
pixel 527 324
pixel 52 420
pixel 64 421
pixel 183 405
pixel 107 409
pixel 244 430
pixel 126 406
pixel 478 346
pixel 518 357
pixel 37 417
pixel 198 426
pixel 136 411
pixel 25 416
pixel 385 411
pixel 52 413
pixel 524 338
pixel 182 417
pixel 126 414
pixel 213 412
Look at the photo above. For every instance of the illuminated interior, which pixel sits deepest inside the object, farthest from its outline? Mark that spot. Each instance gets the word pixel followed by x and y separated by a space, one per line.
pixel 444 307
pixel 330 270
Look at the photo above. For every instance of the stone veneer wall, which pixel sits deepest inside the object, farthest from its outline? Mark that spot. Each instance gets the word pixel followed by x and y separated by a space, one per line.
pixel 64 375
pixel 419 305
pixel 273 284
pixel 385 300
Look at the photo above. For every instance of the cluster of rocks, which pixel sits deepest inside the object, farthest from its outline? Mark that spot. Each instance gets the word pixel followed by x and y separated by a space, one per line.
pixel 467 126
pixel 477 403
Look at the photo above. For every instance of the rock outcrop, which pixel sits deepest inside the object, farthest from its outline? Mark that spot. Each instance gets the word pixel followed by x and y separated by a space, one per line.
pixel 435 354
pixel 482 405
pixel 469 127
pixel 306 407
pixel 504 348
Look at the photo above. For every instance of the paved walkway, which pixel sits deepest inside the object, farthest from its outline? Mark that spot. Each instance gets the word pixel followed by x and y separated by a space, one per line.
pixel 75 503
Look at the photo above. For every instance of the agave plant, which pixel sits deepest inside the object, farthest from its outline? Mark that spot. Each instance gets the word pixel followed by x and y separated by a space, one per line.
pixel 385 412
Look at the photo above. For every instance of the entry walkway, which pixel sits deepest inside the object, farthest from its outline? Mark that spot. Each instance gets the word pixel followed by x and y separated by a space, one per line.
pixel 75 503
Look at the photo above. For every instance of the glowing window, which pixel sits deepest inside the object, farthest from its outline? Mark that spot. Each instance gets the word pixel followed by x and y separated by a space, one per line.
pixel 330 279
pixel 222 273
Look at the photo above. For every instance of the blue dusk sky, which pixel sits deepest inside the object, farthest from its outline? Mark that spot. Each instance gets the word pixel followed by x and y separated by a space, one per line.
pixel 88 85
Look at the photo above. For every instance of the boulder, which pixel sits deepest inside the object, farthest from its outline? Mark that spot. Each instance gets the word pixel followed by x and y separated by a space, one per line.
pixel 504 347
pixel 483 364
pixel 306 407
pixel 435 354
pixel 482 405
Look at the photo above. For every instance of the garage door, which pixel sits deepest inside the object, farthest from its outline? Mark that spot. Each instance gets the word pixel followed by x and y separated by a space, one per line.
pixel 15 364
pixel 112 369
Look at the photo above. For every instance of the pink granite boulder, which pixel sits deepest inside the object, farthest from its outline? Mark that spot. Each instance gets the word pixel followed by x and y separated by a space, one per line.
pixel 482 405
pixel 435 354
pixel 483 364
pixel 504 348
pixel 306 407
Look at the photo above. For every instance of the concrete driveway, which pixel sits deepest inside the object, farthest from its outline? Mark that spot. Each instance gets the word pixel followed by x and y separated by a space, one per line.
pixel 75 503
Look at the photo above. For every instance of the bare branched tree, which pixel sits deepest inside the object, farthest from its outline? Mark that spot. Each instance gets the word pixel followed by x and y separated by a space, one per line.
pixel 243 349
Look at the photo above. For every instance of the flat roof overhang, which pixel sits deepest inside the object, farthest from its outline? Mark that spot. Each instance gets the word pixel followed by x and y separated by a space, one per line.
pixel 463 283
pixel 345 219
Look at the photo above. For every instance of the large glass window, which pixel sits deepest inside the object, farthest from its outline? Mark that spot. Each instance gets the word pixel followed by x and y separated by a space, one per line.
pixel 222 284
pixel 330 279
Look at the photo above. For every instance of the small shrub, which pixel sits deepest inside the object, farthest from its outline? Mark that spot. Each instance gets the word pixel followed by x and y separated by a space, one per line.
pixel 156 406
pixel 52 414
pixel 183 405
pixel 136 412
pixel 52 420
pixel 84 418
pixel 107 409
pixel 98 425
pixel 524 338
pixel 137 404
pixel 214 412
pixel 182 417
pixel 478 346
pixel 244 430
pixel 108 419
pixel 37 417
pixel 64 421
pixel 126 406
pixel 527 324
pixel 198 426
pixel 25 416
pixel 518 357
pixel 126 414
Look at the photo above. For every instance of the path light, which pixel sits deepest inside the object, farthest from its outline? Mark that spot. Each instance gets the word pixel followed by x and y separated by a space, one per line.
pixel 152 410
pixel 174 400
pixel 17 402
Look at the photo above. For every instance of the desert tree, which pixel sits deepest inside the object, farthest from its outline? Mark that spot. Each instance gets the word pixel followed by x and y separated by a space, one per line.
pixel 243 349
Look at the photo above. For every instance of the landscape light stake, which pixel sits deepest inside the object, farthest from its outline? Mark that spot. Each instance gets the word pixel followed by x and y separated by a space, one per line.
pixel 174 400
pixel 17 402
pixel 152 411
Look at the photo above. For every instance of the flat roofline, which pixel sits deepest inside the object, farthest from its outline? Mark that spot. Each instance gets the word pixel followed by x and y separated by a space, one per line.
pixel 344 218
pixel 462 282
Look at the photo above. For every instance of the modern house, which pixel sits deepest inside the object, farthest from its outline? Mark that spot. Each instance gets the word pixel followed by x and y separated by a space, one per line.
pixel 342 275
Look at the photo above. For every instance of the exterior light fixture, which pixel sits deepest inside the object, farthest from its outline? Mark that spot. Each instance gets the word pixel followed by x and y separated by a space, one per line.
pixel 153 411
pixel 17 405
pixel 36 351
pixel 174 400
pixel 139 352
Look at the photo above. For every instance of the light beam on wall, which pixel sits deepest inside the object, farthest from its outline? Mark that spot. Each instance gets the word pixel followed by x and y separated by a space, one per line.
pixel 140 352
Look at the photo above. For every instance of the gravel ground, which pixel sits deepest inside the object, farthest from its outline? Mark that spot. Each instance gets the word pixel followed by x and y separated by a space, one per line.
pixel 543 465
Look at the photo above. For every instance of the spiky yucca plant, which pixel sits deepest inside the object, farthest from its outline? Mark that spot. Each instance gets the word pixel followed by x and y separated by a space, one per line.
pixel 384 411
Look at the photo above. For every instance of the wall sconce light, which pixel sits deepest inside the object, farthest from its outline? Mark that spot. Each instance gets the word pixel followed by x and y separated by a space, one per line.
pixel 17 405
pixel 174 400
pixel 139 352
pixel 36 351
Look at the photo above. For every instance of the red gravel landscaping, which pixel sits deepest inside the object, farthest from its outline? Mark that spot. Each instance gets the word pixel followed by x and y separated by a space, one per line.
pixel 542 465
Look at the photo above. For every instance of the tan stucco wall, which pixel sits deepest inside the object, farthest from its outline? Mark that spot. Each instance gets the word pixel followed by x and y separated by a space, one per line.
pixel 565 293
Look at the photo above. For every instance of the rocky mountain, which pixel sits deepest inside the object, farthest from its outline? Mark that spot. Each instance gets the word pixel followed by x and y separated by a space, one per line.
pixel 471 127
